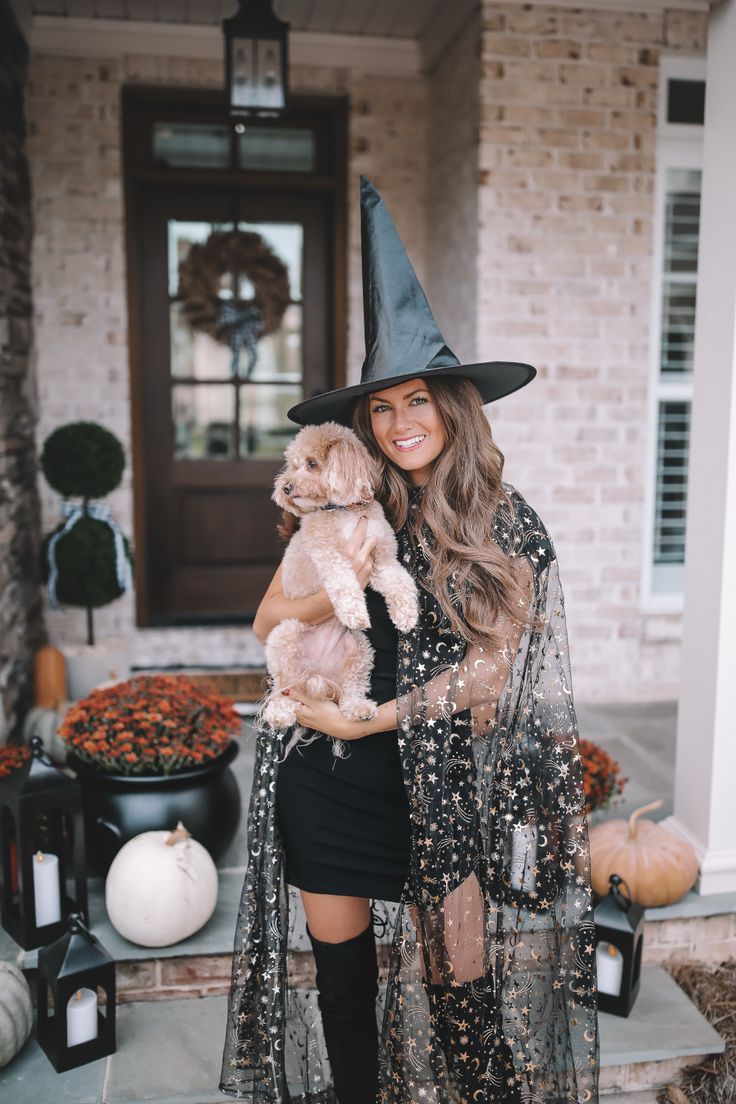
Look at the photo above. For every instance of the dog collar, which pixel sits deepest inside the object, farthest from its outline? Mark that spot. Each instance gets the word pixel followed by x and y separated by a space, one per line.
pixel 348 505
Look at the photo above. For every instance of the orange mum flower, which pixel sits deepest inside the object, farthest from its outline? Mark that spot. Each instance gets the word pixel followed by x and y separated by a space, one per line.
pixel 150 724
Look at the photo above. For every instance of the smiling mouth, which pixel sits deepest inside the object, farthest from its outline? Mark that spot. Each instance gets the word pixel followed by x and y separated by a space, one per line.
pixel 406 444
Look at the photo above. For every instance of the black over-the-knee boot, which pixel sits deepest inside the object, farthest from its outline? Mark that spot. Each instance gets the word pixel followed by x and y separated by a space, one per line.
pixel 347 980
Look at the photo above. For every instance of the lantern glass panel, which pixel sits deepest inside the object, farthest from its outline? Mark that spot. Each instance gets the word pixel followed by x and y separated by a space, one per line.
pixel 243 80
pixel 269 69
pixel 257 74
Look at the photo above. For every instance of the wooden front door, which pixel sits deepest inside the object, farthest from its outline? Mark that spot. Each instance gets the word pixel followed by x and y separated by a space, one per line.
pixel 214 410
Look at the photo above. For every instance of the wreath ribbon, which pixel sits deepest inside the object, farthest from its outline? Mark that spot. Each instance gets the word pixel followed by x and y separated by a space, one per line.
pixel 245 326
pixel 73 513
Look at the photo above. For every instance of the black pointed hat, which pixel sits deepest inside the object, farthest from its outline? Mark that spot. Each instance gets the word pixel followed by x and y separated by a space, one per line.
pixel 402 339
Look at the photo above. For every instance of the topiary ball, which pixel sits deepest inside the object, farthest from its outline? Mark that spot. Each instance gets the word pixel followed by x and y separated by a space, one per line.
pixel 83 458
pixel 85 562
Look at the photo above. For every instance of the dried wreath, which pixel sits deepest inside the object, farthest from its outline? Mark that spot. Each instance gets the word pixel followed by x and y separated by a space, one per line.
pixel 235 322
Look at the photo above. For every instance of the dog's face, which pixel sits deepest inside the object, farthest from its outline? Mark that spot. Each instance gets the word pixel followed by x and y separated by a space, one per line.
pixel 324 464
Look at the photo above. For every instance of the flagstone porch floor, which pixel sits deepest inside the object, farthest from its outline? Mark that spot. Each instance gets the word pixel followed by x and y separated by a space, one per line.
pixel 169 1052
pixel 169 1049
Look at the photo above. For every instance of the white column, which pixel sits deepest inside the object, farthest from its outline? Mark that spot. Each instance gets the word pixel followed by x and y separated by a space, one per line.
pixel 705 772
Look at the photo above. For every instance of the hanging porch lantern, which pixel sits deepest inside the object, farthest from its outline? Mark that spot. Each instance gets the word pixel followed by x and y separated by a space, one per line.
pixel 256 60
pixel 42 856
pixel 74 1026
pixel 619 935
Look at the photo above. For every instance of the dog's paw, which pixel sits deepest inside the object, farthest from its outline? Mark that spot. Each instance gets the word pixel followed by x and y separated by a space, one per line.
pixel 404 611
pixel 358 709
pixel 353 615
pixel 280 712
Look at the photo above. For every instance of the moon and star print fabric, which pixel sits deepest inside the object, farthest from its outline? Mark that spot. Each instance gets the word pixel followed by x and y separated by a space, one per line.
pixel 490 991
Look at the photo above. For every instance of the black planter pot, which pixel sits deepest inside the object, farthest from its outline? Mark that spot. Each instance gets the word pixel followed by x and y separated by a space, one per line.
pixel 118 807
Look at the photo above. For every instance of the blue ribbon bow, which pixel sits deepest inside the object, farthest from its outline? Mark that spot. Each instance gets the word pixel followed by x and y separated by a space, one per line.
pixel 73 513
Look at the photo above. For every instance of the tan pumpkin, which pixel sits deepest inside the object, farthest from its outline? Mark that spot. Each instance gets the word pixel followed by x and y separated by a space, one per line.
pixel 49 677
pixel 657 866
pixel 16 1012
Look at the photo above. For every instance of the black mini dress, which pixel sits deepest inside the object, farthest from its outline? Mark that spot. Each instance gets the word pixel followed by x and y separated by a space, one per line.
pixel 345 822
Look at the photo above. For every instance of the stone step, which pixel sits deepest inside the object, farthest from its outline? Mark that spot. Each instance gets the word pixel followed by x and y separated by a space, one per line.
pixel 169 1053
pixel 695 929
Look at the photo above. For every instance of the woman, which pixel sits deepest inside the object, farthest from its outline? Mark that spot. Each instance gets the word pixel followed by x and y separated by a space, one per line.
pixel 461 801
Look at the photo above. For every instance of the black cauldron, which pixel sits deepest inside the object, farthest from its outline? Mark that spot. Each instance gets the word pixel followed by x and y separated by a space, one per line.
pixel 118 807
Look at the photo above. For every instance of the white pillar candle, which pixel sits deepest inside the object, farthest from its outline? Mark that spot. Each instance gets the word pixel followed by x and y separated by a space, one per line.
pixel 46 890
pixel 523 857
pixel 610 967
pixel 81 1017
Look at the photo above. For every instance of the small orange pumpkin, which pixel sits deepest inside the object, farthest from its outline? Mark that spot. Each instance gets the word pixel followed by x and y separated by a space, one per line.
pixel 657 866
pixel 49 677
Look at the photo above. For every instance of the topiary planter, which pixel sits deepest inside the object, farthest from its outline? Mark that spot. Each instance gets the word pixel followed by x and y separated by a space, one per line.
pixel 91 665
pixel 118 807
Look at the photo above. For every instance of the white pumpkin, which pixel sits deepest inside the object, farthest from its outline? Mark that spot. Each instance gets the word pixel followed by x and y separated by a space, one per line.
pixel 161 888
pixel 16 1011
pixel 45 723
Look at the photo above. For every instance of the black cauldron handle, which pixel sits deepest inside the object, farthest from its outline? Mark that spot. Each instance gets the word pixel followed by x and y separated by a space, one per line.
pixel 113 829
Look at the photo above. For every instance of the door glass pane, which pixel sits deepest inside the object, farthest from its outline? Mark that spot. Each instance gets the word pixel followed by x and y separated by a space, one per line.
pixel 195 354
pixel 204 421
pixel 286 240
pixel 280 150
pixel 264 428
pixel 182 236
pixel 190 145
pixel 280 354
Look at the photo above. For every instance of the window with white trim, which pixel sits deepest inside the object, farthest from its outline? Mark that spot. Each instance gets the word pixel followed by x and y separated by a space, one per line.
pixel 677 219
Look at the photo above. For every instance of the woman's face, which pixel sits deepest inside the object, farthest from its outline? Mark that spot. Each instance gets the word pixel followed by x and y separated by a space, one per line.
pixel 407 427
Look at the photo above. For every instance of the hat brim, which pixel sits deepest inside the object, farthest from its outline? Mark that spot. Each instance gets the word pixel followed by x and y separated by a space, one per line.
pixel 493 379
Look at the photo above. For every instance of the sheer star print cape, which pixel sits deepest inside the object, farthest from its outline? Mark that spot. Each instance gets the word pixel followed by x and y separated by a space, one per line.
pixel 489 994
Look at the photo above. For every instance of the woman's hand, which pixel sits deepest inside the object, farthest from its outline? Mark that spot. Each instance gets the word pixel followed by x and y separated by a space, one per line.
pixel 359 550
pixel 324 716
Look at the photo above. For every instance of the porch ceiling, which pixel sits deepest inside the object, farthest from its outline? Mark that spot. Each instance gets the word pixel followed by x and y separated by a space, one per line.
pixel 381 18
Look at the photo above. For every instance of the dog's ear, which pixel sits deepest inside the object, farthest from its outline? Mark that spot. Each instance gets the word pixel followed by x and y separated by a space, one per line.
pixel 350 472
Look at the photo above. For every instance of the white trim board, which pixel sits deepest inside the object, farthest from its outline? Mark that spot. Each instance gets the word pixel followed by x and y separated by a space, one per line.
pixel 717 868
pixel 69 37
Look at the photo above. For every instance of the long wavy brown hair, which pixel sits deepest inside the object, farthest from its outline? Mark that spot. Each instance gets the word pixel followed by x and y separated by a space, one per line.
pixel 458 507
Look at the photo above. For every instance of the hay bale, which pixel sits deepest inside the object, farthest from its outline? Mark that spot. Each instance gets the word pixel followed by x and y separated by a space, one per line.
pixel 712 989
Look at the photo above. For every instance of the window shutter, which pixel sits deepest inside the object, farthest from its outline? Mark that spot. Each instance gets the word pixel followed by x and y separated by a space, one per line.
pixel 682 218
pixel 671 493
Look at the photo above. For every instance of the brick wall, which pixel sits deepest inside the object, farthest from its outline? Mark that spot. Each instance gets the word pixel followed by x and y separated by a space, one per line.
pixel 79 277
pixel 452 190
pixel 566 176
pixel 21 627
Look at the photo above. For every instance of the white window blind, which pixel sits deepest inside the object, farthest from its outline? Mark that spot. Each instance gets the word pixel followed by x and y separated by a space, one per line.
pixel 682 216
pixel 677 336
pixel 677 215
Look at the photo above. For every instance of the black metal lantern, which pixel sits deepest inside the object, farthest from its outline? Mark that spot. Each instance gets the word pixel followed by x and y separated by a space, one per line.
pixel 256 60
pixel 42 858
pixel 73 1026
pixel 619 935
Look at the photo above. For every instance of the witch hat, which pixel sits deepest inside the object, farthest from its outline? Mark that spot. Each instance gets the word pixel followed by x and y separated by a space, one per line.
pixel 402 339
